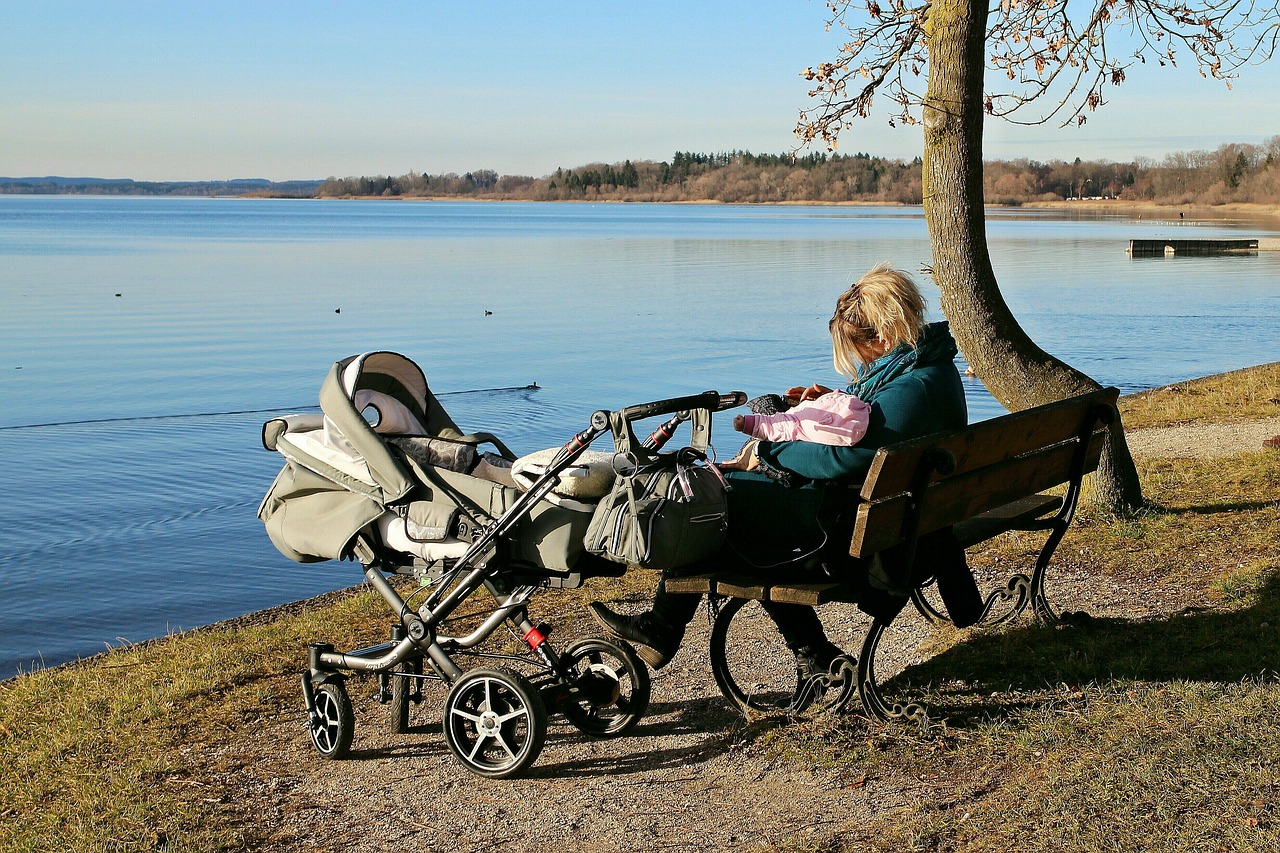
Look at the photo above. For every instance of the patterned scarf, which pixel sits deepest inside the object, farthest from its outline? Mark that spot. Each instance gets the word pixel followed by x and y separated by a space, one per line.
pixel 934 347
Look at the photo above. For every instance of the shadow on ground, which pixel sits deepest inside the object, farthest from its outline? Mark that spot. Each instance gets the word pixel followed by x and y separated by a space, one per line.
pixel 1210 645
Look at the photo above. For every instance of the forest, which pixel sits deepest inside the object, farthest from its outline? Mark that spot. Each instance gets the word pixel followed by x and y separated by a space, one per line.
pixel 1232 173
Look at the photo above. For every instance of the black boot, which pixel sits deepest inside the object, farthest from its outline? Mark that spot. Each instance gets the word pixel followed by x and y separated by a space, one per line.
pixel 815 660
pixel 656 640
pixel 658 631
pixel 800 627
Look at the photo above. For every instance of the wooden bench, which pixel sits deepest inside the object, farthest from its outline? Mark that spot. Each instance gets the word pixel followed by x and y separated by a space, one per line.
pixel 989 478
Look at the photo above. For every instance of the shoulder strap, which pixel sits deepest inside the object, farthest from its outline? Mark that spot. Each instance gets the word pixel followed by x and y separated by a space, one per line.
pixel 625 442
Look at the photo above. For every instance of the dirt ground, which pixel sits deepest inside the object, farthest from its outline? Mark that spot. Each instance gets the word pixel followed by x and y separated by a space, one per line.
pixel 683 779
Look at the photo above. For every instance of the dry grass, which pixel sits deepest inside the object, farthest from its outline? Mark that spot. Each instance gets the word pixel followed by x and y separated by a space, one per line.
pixel 117 752
pixel 1241 394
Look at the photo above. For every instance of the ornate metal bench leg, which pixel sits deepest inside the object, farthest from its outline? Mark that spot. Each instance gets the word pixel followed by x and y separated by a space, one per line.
pixel 755 670
pixel 998 610
pixel 872 700
pixel 999 607
pixel 1039 601
pixel 925 607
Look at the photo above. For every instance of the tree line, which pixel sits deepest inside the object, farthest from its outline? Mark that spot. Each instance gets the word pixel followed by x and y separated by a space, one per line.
pixel 126 186
pixel 735 176
pixel 1231 173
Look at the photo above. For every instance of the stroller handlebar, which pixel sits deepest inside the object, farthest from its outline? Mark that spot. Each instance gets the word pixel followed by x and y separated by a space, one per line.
pixel 712 400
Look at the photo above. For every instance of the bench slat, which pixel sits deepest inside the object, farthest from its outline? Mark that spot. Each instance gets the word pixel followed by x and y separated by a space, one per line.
pixel 1002 519
pixel 743 587
pixel 983 443
pixel 733 585
pixel 694 584
pixel 880 525
pixel 812 594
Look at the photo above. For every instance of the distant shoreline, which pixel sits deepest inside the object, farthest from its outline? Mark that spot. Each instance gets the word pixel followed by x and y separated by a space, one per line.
pixel 1233 211
pixel 1192 212
pixel 1229 212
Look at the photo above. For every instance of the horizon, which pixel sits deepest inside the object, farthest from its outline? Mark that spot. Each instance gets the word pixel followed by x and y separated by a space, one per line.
pixel 155 92
pixel 250 179
pixel 538 177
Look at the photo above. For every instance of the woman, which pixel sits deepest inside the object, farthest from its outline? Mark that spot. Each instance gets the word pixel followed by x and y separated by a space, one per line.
pixel 903 368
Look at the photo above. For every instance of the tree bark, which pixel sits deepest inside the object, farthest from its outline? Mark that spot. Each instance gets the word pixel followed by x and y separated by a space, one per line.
pixel 1017 372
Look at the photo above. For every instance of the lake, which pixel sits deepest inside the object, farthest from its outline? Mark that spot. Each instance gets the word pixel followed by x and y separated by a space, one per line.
pixel 144 341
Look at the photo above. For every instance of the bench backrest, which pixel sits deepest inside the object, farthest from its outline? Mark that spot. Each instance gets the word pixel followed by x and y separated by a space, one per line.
pixel 929 483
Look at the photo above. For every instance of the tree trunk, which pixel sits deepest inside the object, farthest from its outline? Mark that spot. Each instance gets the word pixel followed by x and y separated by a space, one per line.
pixel 1017 372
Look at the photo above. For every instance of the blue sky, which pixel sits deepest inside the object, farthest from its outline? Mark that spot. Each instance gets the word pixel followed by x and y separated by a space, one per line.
pixel 283 90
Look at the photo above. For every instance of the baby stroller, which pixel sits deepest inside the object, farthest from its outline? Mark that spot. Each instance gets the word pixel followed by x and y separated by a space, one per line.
pixel 385 477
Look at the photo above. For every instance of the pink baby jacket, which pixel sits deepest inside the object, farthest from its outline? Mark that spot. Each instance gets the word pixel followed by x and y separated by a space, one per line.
pixel 836 418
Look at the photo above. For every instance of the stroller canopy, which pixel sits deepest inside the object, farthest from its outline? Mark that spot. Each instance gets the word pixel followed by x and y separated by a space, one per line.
pixel 363 397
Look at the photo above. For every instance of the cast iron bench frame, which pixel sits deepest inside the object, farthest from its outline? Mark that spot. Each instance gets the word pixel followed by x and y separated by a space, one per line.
pixel 986 479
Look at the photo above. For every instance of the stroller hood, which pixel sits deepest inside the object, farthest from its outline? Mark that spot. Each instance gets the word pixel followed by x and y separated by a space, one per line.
pixel 364 395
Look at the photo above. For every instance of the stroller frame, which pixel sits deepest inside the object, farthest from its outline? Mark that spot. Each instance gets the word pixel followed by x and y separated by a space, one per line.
pixel 495 716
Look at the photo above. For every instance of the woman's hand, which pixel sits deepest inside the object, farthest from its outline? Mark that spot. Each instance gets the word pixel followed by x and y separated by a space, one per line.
pixel 800 394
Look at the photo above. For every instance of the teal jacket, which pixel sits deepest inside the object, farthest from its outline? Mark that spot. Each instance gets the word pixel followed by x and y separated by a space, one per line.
pixel 911 393
pixel 926 397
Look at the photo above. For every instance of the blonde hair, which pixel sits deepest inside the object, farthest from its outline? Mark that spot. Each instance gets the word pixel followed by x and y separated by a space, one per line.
pixel 884 305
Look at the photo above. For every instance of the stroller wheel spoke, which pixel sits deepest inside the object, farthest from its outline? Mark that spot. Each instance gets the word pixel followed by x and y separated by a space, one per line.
pixel 514 715
pixel 495 722
pixel 501 741
pixel 479 744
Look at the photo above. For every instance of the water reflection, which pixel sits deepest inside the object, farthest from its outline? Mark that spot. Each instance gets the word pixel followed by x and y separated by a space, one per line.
pixel 134 308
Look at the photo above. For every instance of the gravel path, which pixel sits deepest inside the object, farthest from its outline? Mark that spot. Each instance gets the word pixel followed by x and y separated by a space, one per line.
pixel 682 780
pixel 1203 440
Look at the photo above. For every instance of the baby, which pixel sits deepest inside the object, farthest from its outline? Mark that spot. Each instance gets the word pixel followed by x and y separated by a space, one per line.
pixel 817 414
pixel 835 418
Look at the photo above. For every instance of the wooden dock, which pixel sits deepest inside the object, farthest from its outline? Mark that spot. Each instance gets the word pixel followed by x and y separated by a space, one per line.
pixel 1192 247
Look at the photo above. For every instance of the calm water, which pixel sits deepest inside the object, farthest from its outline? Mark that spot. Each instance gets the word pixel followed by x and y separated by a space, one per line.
pixel 144 341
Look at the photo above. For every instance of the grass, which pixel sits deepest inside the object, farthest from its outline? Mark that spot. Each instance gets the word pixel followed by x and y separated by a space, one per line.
pixel 117 752
pixel 1121 734
pixel 1241 394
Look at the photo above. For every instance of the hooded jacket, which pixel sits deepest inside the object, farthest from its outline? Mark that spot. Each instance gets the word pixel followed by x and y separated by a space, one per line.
pixel 911 392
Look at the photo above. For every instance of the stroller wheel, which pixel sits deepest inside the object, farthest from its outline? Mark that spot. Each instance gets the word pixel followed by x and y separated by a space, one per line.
pixel 610 688
pixel 494 722
pixel 334 722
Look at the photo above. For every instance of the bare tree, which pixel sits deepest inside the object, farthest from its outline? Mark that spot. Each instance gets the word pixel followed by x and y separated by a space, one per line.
pixel 1057 57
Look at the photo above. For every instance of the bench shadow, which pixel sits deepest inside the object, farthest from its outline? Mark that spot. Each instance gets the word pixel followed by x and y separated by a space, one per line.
pixel 1008 670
